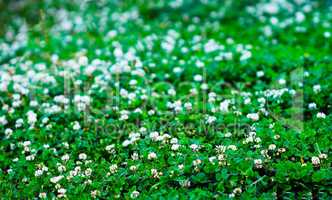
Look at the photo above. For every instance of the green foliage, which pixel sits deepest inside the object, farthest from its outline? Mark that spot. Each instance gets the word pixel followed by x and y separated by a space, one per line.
pixel 165 99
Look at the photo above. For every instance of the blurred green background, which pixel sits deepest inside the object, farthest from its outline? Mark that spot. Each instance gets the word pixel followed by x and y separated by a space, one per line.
pixel 31 11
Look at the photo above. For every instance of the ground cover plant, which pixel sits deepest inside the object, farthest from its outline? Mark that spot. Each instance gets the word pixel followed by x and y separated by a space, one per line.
pixel 177 99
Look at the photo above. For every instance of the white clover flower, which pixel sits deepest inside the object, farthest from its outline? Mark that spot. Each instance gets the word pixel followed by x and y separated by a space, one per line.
pixel 17 103
pixel 171 92
pixel 321 115
pixel 82 102
pixel 134 156
pixel 188 106
pixel 76 126
pixel 194 147
pixel 90 69
pixel 65 157
pixel 232 147
pixel 32 117
pixel 61 168
pixel 322 156
pixel 198 78
pixel 30 157
pixel 151 112
pixel 45 120
pixel 175 147
pixel 160 138
pixel 274 20
pixel 26 149
pixel 109 147
pixel 271 8
pixel 134 194
pixel 253 116
pixel 247 101
pixel 42 195
pixel 39 172
pixel 204 86
pixel 66 145
pixel 197 162
pixel 88 182
pixel 245 55
pixel 299 17
pixel 133 168
pixel 124 115
pixel 317 88
pixel 73 173
pixel 212 97
pixel 142 129
pixel 193 91
pixel 211 46
pixel 113 168
pixel 281 150
pixel 174 141
pixel 123 93
pixel 165 137
pixel 152 155
pixel 88 172
pixel 210 119
pixel 45 169
pixel 267 30
pixel 177 70
pixel 282 81
pixel 126 143
pixel 56 179
pixel 272 147
pixel 155 173
pixel 312 106
pixel 220 149
pixel 185 183
pixel 276 137
pixel 144 97
pixel 33 103
pixel 212 159
pixel 315 160
pixel 177 108
pixel 83 60
pixel 94 193
pixel 82 156
pixel 61 192
pixel 224 105
pixel 26 143
pixel 134 136
pixel 61 99
pixel 154 135
pixel 258 140
pixel 237 191
pixel 9 171
pixel 199 64
pixel 227 135
pixel 258 163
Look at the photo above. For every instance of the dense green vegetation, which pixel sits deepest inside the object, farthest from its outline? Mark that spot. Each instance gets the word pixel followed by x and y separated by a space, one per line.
pixel 178 99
